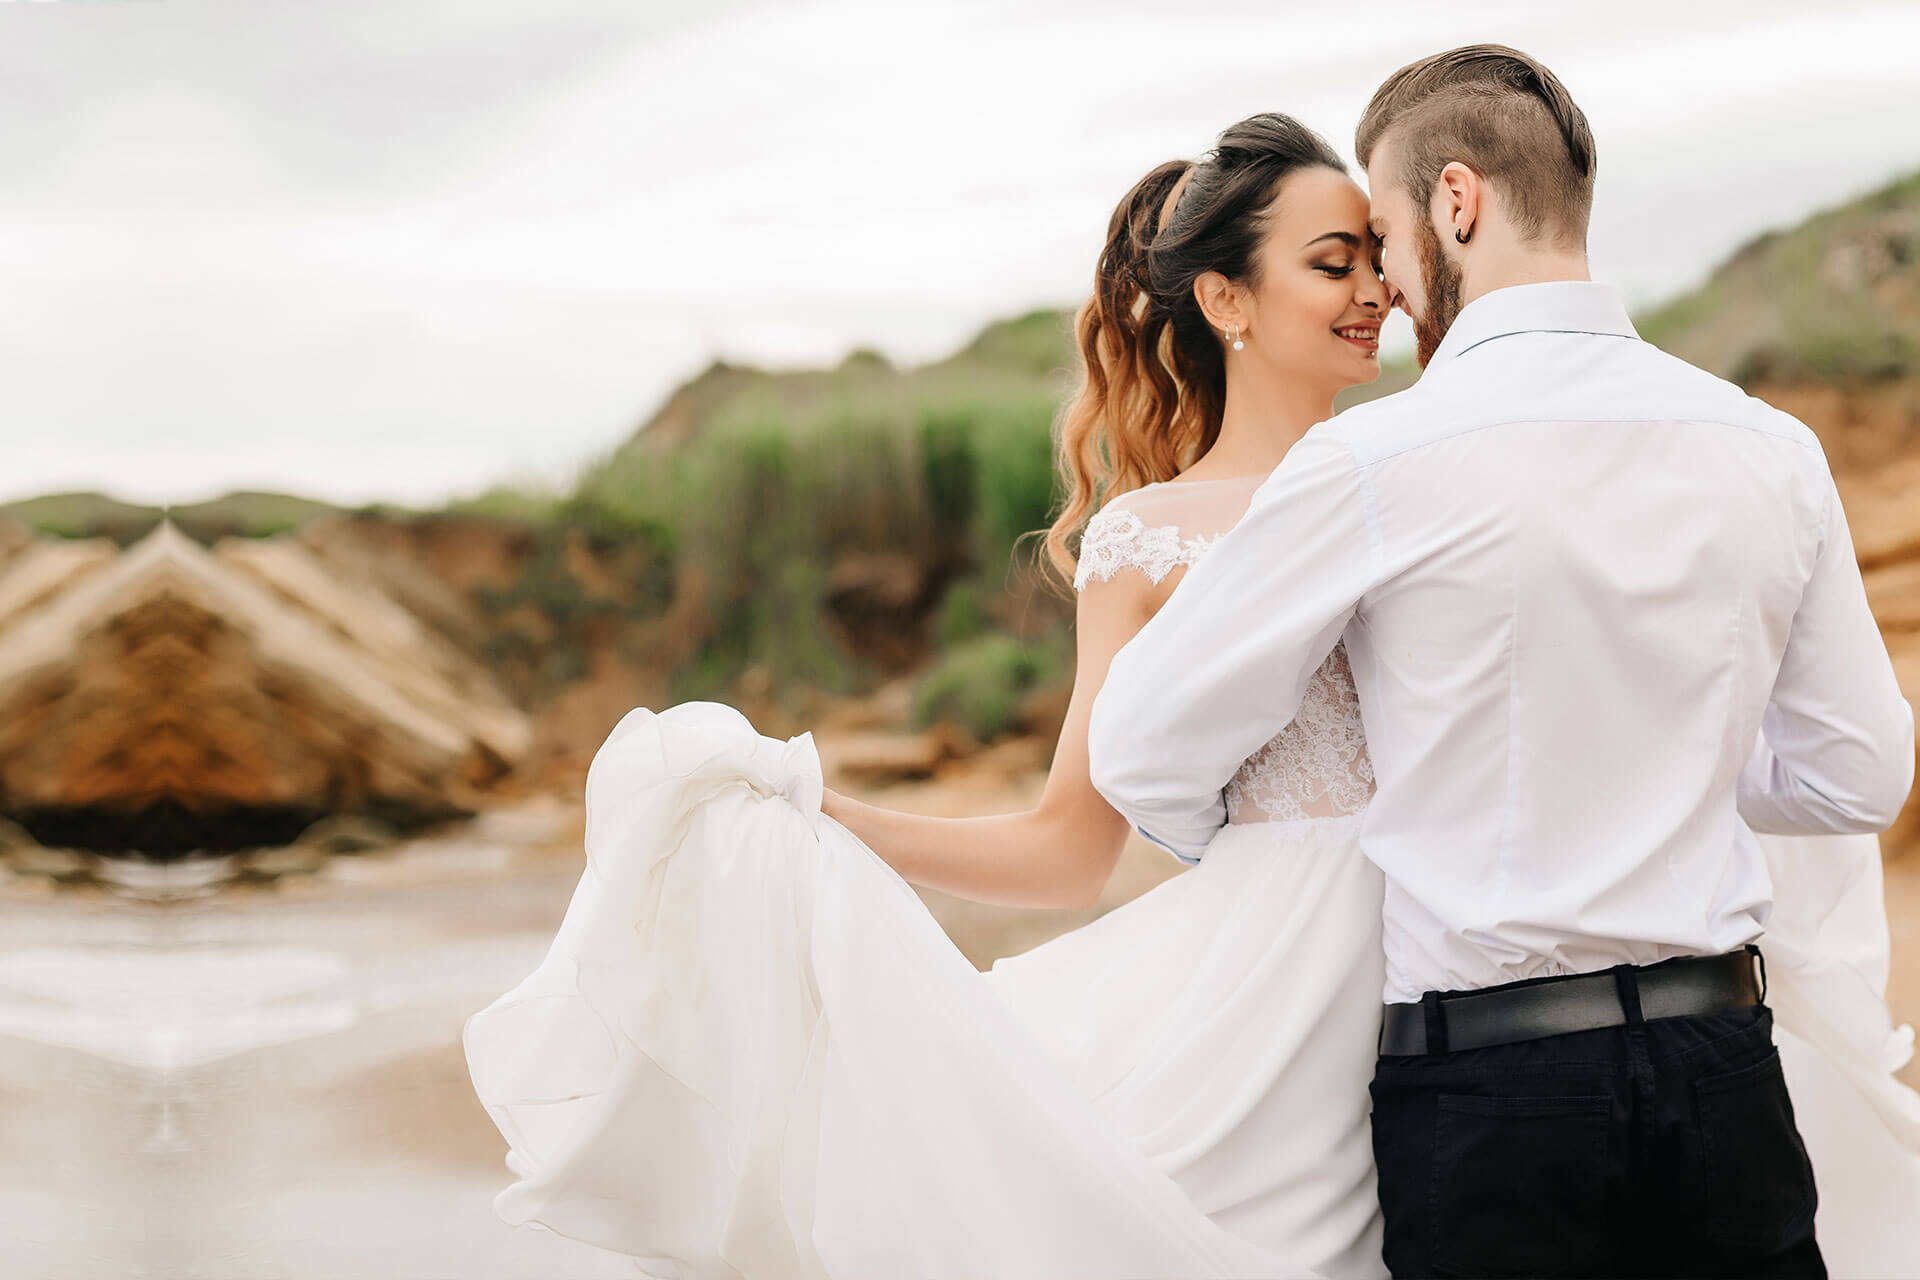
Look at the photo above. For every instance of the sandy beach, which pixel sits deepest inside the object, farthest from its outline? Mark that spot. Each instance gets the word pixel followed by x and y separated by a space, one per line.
pixel 266 1083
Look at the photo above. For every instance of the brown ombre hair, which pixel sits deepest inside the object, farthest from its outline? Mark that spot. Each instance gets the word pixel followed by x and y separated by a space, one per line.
pixel 1153 372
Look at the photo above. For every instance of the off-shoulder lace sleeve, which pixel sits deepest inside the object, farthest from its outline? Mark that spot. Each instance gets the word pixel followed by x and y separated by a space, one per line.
pixel 1117 538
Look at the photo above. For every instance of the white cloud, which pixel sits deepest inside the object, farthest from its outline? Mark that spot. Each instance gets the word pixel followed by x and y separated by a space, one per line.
pixel 393 250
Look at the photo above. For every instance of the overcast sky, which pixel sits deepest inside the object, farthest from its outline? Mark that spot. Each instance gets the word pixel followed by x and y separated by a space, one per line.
pixel 380 249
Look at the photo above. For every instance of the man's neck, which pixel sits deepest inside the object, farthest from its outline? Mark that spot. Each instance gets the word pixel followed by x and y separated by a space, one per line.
pixel 1530 268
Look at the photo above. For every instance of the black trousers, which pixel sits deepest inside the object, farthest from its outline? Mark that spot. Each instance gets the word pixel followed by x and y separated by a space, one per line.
pixel 1666 1148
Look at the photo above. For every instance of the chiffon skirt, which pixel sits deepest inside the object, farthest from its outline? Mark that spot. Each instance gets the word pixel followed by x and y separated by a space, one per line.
pixel 1827 954
pixel 752 1052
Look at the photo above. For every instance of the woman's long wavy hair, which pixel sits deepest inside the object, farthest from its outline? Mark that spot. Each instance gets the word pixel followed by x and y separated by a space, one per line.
pixel 1153 372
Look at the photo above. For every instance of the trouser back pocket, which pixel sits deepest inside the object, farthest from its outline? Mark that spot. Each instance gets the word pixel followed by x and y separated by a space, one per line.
pixel 1519 1185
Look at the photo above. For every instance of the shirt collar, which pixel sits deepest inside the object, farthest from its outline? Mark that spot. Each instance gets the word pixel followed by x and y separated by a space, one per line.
pixel 1555 306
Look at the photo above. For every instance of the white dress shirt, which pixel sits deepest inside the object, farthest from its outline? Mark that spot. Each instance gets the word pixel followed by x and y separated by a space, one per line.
pixel 1576 577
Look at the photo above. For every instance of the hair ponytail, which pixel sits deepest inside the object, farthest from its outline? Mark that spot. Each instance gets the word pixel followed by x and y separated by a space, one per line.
pixel 1153 373
pixel 1124 382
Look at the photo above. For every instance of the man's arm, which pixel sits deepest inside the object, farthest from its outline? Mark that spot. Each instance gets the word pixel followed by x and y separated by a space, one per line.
pixel 1836 745
pixel 1222 667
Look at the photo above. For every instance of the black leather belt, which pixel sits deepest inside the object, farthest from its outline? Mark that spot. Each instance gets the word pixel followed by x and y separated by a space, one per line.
pixel 1536 1007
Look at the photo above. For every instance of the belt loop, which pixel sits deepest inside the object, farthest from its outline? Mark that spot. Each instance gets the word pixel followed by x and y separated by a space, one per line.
pixel 1754 951
pixel 1436 1022
pixel 1628 987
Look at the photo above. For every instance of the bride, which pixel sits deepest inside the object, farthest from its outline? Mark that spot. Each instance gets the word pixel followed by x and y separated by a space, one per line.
pixel 752 1052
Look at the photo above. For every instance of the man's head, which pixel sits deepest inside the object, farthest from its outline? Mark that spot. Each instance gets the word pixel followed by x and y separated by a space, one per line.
pixel 1481 169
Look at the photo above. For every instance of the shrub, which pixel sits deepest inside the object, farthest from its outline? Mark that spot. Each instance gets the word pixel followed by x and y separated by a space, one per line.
pixel 962 615
pixel 775 489
pixel 981 684
pixel 987 463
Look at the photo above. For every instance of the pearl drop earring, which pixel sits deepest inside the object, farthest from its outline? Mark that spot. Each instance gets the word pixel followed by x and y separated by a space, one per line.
pixel 1233 336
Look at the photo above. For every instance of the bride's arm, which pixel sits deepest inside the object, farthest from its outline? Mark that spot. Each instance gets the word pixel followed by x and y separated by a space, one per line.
pixel 1057 854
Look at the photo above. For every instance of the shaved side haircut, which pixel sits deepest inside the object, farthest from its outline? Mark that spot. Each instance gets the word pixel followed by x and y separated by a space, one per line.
pixel 1503 115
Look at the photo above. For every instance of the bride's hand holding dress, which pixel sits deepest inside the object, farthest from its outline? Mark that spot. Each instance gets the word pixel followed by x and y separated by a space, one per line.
pixel 751 1050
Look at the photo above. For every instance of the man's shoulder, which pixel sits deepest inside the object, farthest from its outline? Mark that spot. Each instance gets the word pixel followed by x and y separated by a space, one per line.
pixel 1628 381
pixel 1685 392
pixel 1386 424
pixel 1381 409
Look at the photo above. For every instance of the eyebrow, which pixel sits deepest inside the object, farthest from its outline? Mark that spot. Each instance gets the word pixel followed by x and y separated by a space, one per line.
pixel 1344 237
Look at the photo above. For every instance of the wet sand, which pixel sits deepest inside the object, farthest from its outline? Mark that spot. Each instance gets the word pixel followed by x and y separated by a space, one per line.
pixel 267 1082
pixel 300 1107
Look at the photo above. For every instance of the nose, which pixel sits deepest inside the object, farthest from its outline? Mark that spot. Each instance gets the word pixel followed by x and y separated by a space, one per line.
pixel 1382 296
pixel 1375 294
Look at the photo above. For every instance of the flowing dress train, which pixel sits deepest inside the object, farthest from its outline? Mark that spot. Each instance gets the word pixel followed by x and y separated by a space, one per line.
pixel 752 1052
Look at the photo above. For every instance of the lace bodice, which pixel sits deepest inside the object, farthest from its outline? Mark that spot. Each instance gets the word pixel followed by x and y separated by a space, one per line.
pixel 1317 766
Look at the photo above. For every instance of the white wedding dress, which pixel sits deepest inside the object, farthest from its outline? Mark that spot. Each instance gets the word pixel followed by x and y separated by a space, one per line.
pixel 752 1052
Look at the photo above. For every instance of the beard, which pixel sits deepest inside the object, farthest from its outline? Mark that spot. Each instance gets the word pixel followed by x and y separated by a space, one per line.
pixel 1440 281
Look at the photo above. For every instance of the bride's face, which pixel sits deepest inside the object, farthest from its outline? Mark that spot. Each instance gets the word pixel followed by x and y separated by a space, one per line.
pixel 1315 310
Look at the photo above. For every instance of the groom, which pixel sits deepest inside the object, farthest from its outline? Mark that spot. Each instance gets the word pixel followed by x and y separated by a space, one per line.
pixel 1605 621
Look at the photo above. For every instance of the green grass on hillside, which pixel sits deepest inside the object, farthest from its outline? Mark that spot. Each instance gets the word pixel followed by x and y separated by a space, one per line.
pixel 1833 300
pixel 768 497
pixel 981 683
pixel 243 513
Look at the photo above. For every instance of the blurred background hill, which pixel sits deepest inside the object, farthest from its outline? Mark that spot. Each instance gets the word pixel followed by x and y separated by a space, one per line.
pixel 846 547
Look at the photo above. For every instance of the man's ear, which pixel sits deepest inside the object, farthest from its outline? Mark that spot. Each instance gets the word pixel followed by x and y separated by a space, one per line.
pixel 1456 201
pixel 1219 300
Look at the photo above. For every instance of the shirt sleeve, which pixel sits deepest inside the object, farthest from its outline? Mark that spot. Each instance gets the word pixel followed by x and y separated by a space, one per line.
pixel 1836 747
pixel 1222 667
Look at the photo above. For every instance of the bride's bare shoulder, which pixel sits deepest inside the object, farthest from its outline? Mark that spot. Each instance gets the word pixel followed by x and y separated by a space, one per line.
pixel 1205 503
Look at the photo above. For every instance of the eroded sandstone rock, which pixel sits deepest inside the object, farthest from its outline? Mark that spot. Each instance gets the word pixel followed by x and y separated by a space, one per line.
pixel 168 698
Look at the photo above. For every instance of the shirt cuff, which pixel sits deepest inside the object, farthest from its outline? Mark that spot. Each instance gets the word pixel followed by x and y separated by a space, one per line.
pixel 1192 860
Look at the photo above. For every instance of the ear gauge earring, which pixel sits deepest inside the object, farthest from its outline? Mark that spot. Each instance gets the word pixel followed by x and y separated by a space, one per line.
pixel 1460 235
pixel 1233 336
